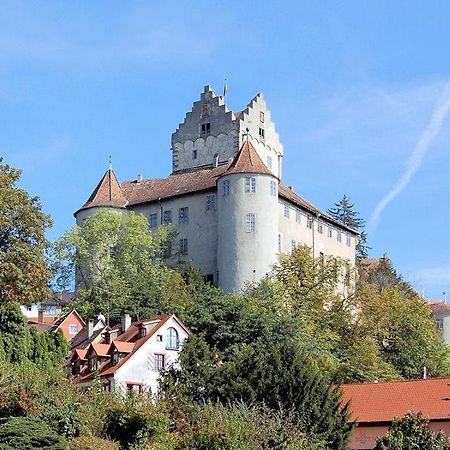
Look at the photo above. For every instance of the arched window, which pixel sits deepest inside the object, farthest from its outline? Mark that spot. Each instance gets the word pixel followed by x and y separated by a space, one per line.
pixel 172 341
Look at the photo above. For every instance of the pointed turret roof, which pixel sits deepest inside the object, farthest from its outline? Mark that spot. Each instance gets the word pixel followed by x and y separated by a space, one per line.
pixel 248 161
pixel 107 193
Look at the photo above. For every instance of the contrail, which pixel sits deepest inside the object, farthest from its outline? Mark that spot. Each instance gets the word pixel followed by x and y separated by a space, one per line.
pixel 433 128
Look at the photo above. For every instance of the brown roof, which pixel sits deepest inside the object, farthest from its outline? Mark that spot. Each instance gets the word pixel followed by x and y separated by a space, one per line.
pixel 122 347
pixel 439 306
pixel 248 161
pixel 107 193
pixel 98 349
pixel 63 318
pixel 381 402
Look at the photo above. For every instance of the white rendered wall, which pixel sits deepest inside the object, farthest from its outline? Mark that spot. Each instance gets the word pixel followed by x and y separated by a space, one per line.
pixel 140 367
pixel 200 231
pixel 243 256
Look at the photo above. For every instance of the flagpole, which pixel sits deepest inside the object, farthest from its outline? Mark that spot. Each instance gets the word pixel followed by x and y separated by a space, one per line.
pixel 225 90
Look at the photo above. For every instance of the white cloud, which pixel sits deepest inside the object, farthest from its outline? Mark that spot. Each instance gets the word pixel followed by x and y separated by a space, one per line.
pixel 434 275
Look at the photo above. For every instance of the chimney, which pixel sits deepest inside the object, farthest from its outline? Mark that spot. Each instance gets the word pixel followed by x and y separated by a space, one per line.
pixel 425 374
pixel 90 327
pixel 140 178
pixel 126 322
pixel 40 317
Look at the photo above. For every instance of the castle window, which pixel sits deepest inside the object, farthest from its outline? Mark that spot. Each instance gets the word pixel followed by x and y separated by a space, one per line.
pixel 339 236
pixel 184 215
pixel 250 184
pixel 206 128
pixel 298 216
pixel 167 217
pixel 261 116
pixel 269 162
pixel 293 245
pixel 330 232
pixel 286 211
pixel 320 227
pixel 210 202
pixel 159 361
pixel 184 246
pixel 226 187
pixel 153 220
pixel 261 132
pixel 172 339
pixel 309 222
pixel 273 188
pixel 194 154
pixel 279 243
pixel 250 223
pixel 349 240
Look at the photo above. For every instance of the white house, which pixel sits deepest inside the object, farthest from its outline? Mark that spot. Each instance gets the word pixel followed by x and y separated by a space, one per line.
pixel 130 357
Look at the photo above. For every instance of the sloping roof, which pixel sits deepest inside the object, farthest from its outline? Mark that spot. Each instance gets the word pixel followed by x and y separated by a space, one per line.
pixel 122 347
pixel 63 318
pixel 439 306
pixel 107 193
pixel 82 339
pixel 98 349
pixel 247 161
pixel 381 402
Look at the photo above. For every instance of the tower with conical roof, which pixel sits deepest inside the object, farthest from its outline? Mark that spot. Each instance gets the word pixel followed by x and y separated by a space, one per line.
pixel 247 206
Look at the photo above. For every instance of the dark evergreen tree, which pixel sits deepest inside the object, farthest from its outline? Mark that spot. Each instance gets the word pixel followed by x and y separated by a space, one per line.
pixel 344 212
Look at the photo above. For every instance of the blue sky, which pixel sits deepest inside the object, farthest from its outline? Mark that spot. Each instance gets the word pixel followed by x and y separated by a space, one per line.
pixel 358 91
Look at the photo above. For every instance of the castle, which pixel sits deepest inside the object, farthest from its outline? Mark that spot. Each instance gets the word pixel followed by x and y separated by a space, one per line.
pixel 225 197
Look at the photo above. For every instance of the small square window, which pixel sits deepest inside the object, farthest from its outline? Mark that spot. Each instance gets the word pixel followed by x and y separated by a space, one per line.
pixel 167 217
pixel 184 246
pixel 73 329
pixel 273 188
pixel 210 202
pixel 226 187
pixel 250 184
pixel 250 222
pixel 159 338
pixel 194 154
pixel 261 132
pixel 286 211
pixel 184 215
pixel 153 221
pixel 206 128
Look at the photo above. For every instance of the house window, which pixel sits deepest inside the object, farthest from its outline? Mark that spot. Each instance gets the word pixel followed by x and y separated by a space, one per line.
pixel 29 307
pixel 320 227
pixel 209 278
pixel 115 358
pixel 134 389
pixel 309 222
pixel 226 187
pixel 349 240
pixel 286 211
pixel 159 338
pixel 206 128
pixel 269 162
pixel 293 245
pixel 194 154
pixel 261 117
pixel 250 223
pixel 298 216
pixel 261 132
pixel 210 202
pixel 184 215
pixel 159 361
pixel 50 310
pixel 153 220
pixel 172 340
pixel 273 188
pixel 440 324
pixel 92 364
pixel 279 243
pixel 184 246
pixel 330 232
pixel 167 217
pixel 250 184
pixel 73 329
pixel 339 235
pixel 142 332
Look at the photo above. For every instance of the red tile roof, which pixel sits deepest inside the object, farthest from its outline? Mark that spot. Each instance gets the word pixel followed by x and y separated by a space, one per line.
pixel 99 349
pixel 248 161
pixel 122 347
pixel 381 402
pixel 439 306
pixel 107 193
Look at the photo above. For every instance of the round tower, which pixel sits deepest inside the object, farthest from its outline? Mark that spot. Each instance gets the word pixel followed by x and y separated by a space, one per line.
pixel 247 207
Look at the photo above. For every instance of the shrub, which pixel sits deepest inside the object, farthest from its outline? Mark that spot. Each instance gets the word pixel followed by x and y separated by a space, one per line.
pixel 92 443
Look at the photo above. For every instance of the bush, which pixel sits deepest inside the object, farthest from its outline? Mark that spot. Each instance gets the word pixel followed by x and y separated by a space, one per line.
pixel 24 433
pixel 92 443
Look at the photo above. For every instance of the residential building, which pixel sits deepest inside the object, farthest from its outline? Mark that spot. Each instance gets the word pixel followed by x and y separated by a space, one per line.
pixel 374 406
pixel 130 357
pixel 51 307
pixel 441 313
pixel 225 197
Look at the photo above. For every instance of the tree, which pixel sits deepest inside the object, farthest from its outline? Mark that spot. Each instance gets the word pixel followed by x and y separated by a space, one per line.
pixel 412 432
pixel 24 273
pixel 344 213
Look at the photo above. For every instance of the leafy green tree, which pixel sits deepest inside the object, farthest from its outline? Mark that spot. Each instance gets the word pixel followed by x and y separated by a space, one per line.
pixel 24 273
pixel 412 432
pixel 344 212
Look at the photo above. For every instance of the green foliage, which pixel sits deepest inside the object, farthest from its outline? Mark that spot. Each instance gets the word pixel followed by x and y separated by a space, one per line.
pixel 412 432
pixel 344 213
pixel 24 433
pixel 24 273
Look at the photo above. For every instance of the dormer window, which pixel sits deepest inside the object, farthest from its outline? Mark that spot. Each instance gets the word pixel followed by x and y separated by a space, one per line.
pixel 206 128
pixel 115 358
pixel 142 332
pixel 93 364
pixel 172 340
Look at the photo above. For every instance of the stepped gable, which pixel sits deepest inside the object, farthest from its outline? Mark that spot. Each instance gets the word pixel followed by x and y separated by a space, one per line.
pixel 107 193
pixel 248 161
